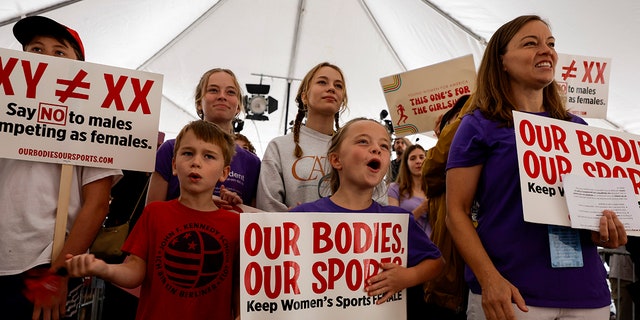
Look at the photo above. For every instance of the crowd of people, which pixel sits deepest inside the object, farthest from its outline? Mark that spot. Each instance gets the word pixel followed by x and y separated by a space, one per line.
pixel 470 253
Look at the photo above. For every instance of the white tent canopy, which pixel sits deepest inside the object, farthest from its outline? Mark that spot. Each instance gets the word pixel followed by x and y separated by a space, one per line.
pixel 368 39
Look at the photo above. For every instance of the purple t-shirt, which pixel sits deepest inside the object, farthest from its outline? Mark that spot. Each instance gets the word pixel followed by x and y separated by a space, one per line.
pixel 519 249
pixel 419 246
pixel 242 179
pixel 410 204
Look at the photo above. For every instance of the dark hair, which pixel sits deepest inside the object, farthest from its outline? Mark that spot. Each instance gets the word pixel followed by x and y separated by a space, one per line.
pixel 302 108
pixel 74 45
pixel 407 143
pixel 493 94
pixel 451 114
pixel 209 132
pixel 243 138
pixel 404 181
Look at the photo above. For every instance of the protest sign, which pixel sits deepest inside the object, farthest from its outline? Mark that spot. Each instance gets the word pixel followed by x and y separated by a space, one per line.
pixel 587 197
pixel 77 113
pixel 416 98
pixel 549 148
pixel 299 265
pixel 585 82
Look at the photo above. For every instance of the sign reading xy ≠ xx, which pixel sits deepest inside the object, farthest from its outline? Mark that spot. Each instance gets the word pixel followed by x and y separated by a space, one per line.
pixel 585 83
pixel 73 112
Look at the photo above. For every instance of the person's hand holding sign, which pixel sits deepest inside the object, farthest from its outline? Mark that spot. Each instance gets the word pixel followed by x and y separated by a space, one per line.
pixel 612 233
pixel 394 278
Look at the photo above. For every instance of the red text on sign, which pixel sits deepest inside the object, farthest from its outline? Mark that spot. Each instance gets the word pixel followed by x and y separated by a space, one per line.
pixel 357 237
pixel 273 240
pixel 547 138
pixel 608 148
pixel 72 85
pixel 115 89
pixel 31 79
pixel 275 279
pixel 600 68
pixel 550 168
pixel 52 114
pixel 354 272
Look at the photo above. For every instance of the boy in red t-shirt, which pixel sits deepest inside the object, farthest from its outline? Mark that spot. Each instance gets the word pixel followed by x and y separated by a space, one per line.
pixel 185 252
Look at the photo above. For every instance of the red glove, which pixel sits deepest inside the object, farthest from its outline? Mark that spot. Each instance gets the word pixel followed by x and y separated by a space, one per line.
pixel 41 284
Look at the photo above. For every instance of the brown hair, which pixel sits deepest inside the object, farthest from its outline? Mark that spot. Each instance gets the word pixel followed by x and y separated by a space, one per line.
pixel 302 108
pixel 211 133
pixel 202 87
pixel 407 142
pixel 404 181
pixel 493 94
pixel 243 138
pixel 334 146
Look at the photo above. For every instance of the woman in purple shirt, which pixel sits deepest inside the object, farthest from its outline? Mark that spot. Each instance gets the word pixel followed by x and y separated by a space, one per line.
pixel 409 191
pixel 218 99
pixel 509 269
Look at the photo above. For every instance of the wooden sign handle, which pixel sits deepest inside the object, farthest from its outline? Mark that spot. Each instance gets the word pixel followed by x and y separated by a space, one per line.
pixel 63 210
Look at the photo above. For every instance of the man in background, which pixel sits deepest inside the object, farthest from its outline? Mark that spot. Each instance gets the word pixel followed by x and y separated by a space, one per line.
pixel 399 145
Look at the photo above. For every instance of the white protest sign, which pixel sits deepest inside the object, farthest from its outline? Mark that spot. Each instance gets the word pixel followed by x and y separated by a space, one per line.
pixel 78 113
pixel 585 82
pixel 416 98
pixel 300 265
pixel 549 148
pixel 587 197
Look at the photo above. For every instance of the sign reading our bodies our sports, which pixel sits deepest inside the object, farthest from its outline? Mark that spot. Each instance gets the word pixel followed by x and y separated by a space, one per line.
pixel 79 113
pixel 417 97
pixel 314 265
pixel 549 148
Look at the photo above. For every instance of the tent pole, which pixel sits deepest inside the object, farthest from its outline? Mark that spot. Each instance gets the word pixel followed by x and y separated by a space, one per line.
pixel 457 23
pixel 38 12
pixel 286 108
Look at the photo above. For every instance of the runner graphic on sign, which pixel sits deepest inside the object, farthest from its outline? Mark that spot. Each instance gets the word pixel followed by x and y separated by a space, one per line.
pixel 400 111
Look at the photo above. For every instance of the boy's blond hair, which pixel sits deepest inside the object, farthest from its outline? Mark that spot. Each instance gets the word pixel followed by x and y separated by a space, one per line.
pixel 209 132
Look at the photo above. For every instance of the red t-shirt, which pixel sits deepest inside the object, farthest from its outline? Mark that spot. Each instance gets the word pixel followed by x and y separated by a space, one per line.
pixel 191 258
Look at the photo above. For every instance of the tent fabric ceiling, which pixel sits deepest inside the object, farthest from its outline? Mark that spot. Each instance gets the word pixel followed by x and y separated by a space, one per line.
pixel 368 39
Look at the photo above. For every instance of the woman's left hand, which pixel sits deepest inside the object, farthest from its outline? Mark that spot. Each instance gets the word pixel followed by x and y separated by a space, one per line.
pixel 611 233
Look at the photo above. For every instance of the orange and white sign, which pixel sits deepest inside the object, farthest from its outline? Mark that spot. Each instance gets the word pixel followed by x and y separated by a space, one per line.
pixel 416 98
